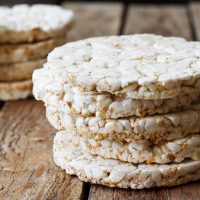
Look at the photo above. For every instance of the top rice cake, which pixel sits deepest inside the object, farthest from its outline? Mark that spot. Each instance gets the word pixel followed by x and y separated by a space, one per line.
pixel 23 23
pixel 142 66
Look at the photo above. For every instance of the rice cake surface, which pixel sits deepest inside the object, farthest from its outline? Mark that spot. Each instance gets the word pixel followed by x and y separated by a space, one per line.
pixel 15 90
pixel 19 71
pixel 156 128
pixel 142 66
pixel 115 173
pixel 24 23
pixel 12 53
pixel 107 105
pixel 174 151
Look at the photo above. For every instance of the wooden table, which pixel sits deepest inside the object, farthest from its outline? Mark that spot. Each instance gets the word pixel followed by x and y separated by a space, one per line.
pixel 27 170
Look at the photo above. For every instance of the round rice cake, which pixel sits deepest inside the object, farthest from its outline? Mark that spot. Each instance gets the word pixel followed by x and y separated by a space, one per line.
pixel 19 71
pixel 15 90
pixel 115 173
pixel 12 53
pixel 156 129
pixel 142 66
pixel 173 151
pixel 107 105
pixel 24 23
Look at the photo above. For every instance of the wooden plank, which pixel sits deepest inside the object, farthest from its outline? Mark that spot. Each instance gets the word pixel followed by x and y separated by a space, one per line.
pixel 186 192
pixel 24 132
pixel 95 19
pixel 158 19
pixel 194 9
pixel 39 184
pixel 170 21
pixel 27 169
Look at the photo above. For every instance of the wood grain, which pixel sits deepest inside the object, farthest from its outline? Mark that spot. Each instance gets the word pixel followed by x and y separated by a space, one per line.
pixel 158 19
pixel 24 132
pixel 185 192
pixel 39 184
pixel 95 19
pixel 27 169
pixel 194 9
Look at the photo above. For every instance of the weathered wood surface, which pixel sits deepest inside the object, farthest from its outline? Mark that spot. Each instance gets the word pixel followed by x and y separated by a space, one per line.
pixel 39 184
pixel 189 191
pixel 27 170
pixel 95 19
pixel 159 19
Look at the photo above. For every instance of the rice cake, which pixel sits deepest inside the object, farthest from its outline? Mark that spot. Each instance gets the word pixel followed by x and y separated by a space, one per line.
pixel 15 90
pixel 24 23
pixel 115 173
pixel 174 151
pixel 142 66
pixel 19 71
pixel 12 53
pixel 107 105
pixel 156 129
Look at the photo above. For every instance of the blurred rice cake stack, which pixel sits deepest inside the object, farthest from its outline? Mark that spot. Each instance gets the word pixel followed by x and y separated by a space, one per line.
pixel 127 108
pixel 27 35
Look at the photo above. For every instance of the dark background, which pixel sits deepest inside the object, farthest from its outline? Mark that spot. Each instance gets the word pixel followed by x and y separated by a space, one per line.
pixel 10 2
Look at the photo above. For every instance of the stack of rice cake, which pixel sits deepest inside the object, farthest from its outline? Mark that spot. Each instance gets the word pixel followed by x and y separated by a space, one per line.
pixel 127 108
pixel 27 35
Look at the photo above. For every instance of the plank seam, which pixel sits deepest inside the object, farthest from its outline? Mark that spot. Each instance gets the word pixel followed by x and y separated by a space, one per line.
pixel 1 105
pixel 123 18
pixel 191 22
pixel 85 191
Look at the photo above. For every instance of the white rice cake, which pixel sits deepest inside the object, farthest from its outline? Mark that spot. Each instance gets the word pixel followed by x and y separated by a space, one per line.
pixel 12 53
pixel 174 151
pixel 19 71
pixel 107 105
pixel 24 23
pixel 115 173
pixel 141 66
pixel 156 129
pixel 15 90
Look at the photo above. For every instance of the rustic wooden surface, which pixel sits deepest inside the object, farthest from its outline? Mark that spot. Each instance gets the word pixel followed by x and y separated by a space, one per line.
pixel 27 170
pixel 165 20
pixel 95 19
pixel 185 192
